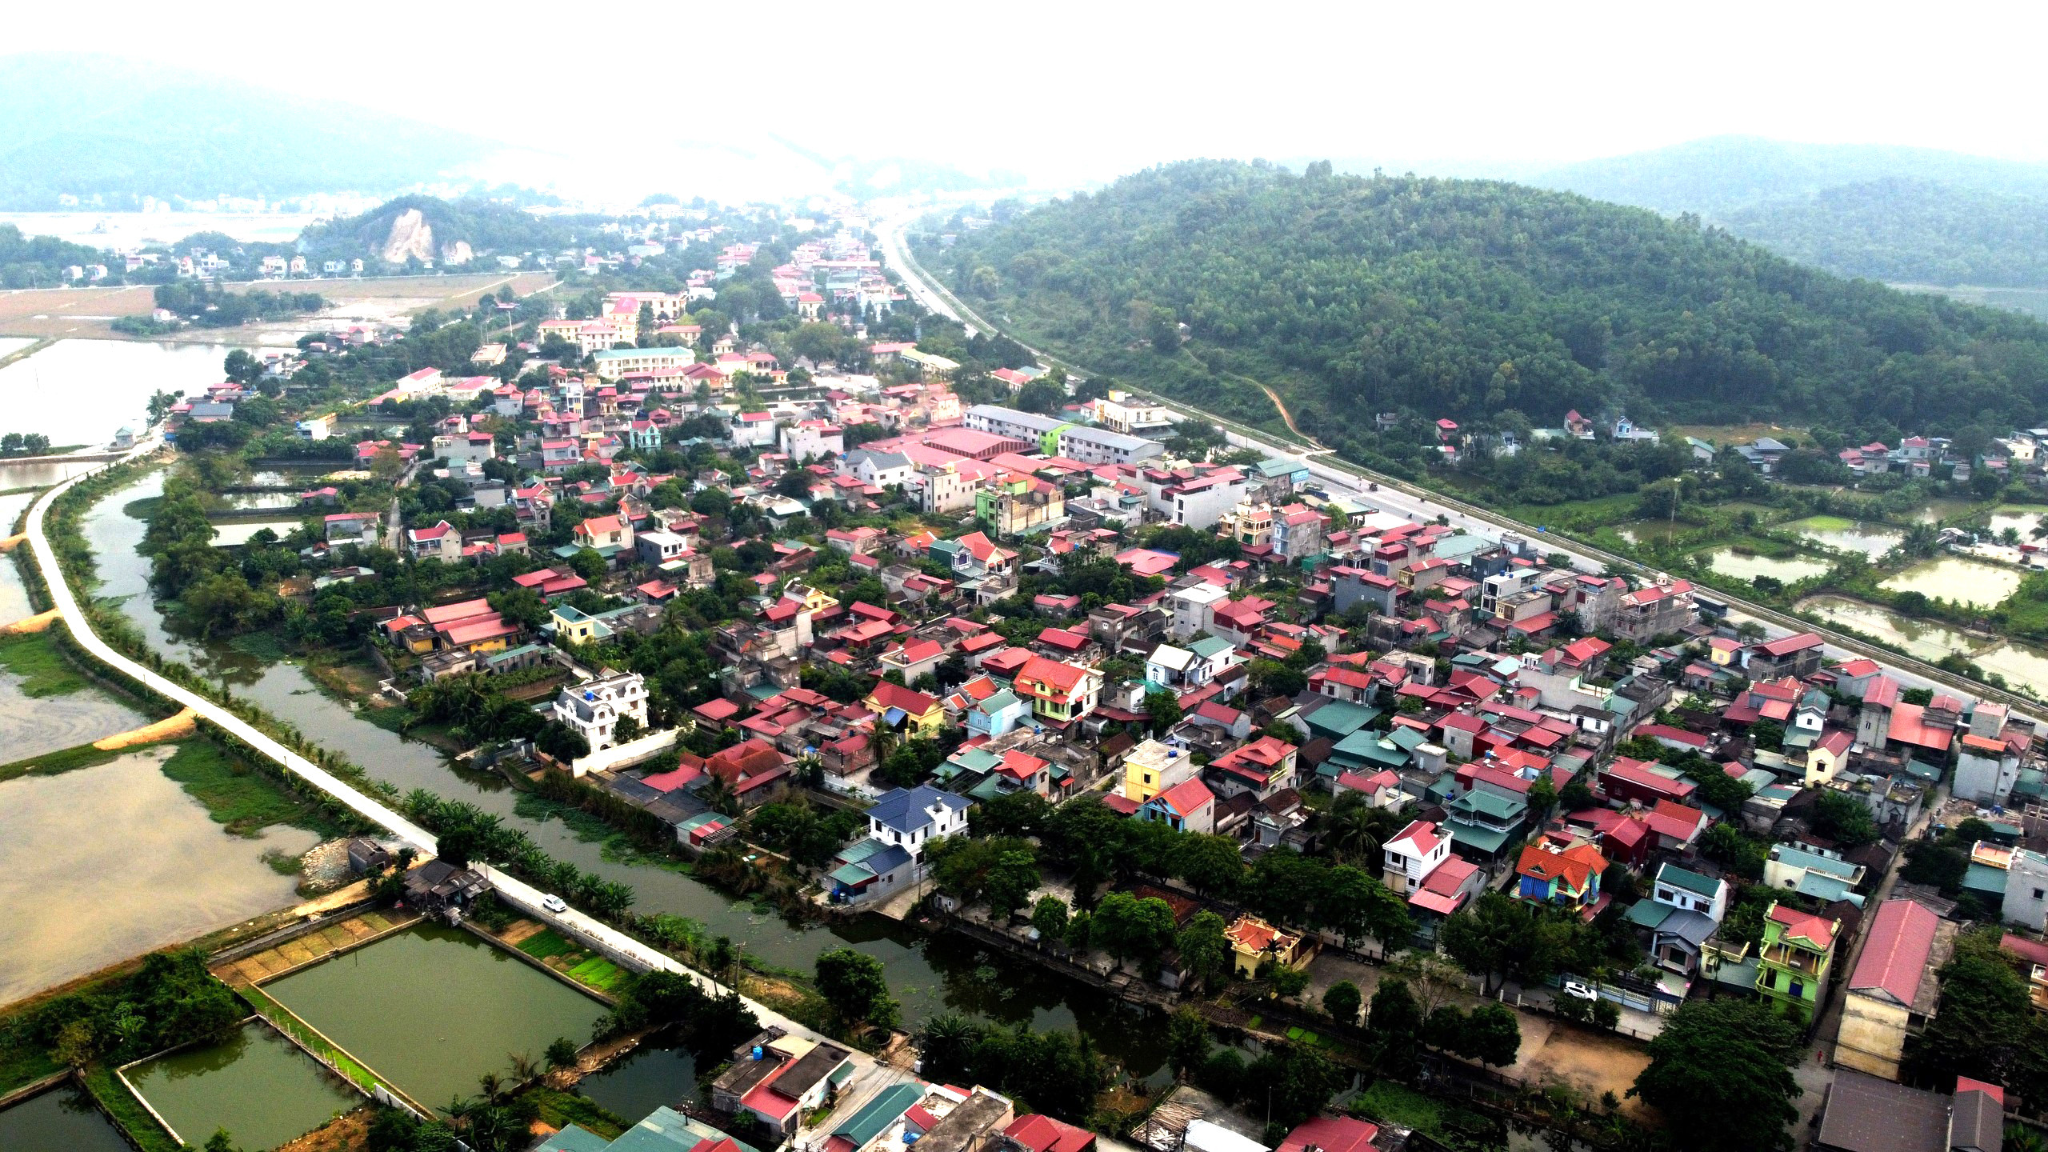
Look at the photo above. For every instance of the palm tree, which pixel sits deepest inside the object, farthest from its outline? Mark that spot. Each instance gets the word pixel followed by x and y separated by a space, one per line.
pixel 718 795
pixel 881 740
pixel 1352 831
pixel 524 1067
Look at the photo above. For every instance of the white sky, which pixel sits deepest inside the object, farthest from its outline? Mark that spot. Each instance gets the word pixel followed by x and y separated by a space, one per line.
pixel 1073 92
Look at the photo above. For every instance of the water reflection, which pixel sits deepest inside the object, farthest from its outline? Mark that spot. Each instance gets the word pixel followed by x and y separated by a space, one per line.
pixel 1954 578
pixel 100 864
pixel 82 391
pixel 256 1084
pixel 1729 562
pixel 64 1119
pixel 660 1073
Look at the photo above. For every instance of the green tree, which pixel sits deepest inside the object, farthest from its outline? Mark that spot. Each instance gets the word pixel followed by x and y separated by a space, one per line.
pixel 1721 1073
pixel 1132 929
pixel 1204 949
pixel 1492 1035
pixel 1342 1001
pixel 1163 710
pixel 856 989
pixel 1050 916
pixel 1213 864
pixel 1395 1024
pixel 1187 1041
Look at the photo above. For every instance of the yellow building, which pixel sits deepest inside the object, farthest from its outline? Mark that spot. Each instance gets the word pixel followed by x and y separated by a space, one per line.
pixel 1829 755
pixel 921 715
pixel 1253 942
pixel 1152 768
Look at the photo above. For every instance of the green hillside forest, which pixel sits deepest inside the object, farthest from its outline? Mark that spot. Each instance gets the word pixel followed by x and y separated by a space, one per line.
pixel 1912 231
pixel 1477 301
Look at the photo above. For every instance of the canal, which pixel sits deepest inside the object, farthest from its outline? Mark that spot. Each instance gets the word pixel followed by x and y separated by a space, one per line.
pixel 256 1084
pixel 930 975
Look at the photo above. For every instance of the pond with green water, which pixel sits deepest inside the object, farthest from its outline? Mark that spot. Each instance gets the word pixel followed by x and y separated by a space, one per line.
pixel 435 1008
pixel 256 1084
pixel 1962 581
pixel 652 1076
pixel 64 1119
pixel 1748 566
pixel 1840 532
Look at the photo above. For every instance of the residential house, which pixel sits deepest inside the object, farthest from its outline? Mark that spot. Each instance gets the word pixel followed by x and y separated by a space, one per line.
pixel 916 712
pixel 1893 990
pixel 593 708
pixel 1188 806
pixel 1059 692
pixel 1797 952
pixel 1255 943
pixel 1557 871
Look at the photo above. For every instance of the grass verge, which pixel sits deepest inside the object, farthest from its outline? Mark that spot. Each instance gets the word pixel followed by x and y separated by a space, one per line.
pixel 35 657
pixel 126 1111
pixel 67 760
pixel 237 795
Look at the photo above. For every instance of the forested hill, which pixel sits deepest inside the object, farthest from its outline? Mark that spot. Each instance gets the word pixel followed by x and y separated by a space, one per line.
pixel 1354 296
pixel 1717 175
pixel 1914 231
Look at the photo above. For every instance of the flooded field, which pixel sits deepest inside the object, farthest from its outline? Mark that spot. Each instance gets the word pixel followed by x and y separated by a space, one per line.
pixel 64 1119
pixel 1729 562
pixel 256 1084
pixel 2018 517
pixel 100 864
pixel 1873 540
pixel 82 391
pixel 2023 666
pixel 1925 640
pixel 1957 579
pixel 434 1008
pixel 233 532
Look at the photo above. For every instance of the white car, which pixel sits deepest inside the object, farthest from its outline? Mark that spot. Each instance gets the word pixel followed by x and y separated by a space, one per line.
pixel 553 903
pixel 1582 991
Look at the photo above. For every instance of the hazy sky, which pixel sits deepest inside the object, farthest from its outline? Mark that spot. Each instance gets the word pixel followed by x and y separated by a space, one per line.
pixel 1084 91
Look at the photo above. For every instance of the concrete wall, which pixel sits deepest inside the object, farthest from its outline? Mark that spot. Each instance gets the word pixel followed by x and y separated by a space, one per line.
pixel 1873 1036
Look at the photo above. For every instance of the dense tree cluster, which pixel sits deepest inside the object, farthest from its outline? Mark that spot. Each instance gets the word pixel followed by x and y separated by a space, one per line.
pixel 1910 230
pixel 1464 298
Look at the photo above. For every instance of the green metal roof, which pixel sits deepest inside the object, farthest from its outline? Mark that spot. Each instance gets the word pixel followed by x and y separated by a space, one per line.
pixel 573 1139
pixel 1485 803
pixel 1678 877
pixel 852 873
pixel 1484 839
pixel 1648 913
pixel 1985 878
pixel 1210 646
pixel 1340 718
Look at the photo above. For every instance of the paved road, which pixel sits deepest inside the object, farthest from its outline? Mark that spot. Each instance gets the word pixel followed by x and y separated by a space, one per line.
pixel 1396 497
pixel 511 889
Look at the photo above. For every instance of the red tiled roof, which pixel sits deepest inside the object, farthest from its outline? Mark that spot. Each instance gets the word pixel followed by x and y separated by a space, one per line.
pixel 1041 1133
pixel 889 695
pixel 1805 925
pixel 1896 948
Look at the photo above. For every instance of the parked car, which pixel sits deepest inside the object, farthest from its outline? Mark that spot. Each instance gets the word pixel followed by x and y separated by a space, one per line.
pixel 1581 990
pixel 553 903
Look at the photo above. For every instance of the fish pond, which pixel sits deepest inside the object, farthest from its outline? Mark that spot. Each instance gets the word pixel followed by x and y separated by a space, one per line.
pixel 1840 532
pixel 1956 579
pixel 63 1119
pixel 434 1008
pixel 256 1084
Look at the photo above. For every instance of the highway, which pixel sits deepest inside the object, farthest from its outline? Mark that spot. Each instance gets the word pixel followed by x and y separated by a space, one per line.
pixel 1401 498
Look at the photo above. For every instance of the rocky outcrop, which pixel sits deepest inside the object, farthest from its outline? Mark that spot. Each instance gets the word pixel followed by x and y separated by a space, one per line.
pixel 456 253
pixel 410 236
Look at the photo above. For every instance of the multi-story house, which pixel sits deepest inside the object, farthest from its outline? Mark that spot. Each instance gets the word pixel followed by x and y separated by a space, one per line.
pixel 1798 950
pixel 592 709
pixel 440 542
pixel 1060 693
pixel 1554 870
pixel 1014 504
pixel 1298 533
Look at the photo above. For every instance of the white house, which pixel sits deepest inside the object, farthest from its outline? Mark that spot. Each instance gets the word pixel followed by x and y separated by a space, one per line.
pixel 592 709
pixel 1412 855
pixel 1194 609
